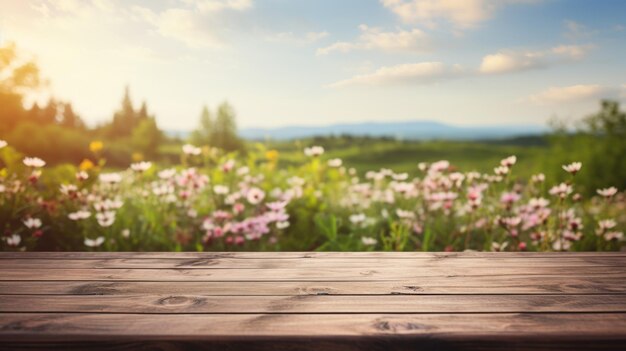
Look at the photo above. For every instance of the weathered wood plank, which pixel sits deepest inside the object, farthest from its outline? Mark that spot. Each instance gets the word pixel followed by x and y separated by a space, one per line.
pixel 306 255
pixel 80 326
pixel 316 263
pixel 325 274
pixel 432 285
pixel 313 304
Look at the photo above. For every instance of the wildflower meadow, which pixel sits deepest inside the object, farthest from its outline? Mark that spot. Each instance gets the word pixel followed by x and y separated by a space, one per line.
pixel 215 201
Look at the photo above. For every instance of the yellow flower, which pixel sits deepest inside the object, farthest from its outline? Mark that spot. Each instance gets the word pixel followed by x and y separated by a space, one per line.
pixel 96 146
pixel 86 165
pixel 272 155
pixel 137 156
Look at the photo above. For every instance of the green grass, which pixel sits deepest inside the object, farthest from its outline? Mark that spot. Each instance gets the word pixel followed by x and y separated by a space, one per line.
pixel 403 156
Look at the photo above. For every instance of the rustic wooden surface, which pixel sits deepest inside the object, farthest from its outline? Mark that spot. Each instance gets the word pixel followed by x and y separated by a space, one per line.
pixel 312 301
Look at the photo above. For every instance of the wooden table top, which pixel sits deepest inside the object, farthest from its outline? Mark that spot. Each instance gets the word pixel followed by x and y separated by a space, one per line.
pixel 313 301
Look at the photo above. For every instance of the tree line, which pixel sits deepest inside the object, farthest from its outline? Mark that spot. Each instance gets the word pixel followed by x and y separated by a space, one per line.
pixel 55 132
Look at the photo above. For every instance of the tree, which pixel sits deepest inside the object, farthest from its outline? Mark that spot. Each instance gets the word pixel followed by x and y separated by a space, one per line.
pixel 221 132
pixel 125 120
pixel 224 134
pixel 202 135
pixel 147 137
pixel 17 77
pixel 600 144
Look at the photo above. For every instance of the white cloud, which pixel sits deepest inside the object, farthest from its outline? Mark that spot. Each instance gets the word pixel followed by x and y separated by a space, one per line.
pixel 459 13
pixel 515 61
pixel 571 93
pixel 373 38
pixel 219 5
pixel 197 25
pixel 509 62
pixel 572 51
pixel 576 31
pixel 290 37
pixel 417 73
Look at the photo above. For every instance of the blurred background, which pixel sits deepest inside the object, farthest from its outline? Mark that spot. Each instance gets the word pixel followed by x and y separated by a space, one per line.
pixel 378 83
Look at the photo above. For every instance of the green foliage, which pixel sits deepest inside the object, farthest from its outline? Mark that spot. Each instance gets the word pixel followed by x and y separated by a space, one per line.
pixel 599 143
pixel 220 132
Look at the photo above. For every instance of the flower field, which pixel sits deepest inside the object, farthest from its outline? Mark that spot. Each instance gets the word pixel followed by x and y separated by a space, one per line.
pixel 213 201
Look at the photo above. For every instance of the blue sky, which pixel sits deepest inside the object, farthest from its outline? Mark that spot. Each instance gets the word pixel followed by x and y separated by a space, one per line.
pixel 295 62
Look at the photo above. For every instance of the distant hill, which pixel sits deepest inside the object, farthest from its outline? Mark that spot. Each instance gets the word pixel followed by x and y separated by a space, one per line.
pixel 411 130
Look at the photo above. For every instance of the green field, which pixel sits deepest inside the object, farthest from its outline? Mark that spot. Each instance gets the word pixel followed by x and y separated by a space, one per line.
pixel 403 156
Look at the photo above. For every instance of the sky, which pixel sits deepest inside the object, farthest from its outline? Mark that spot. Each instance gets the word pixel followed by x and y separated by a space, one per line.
pixel 317 62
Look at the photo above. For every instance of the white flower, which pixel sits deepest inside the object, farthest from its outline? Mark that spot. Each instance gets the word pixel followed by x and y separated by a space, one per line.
pixel 405 214
pixel 189 149
pixel 282 225
pixel 78 215
pixel 13 240
pixel 335 162
pixel 495 246
pixel 314 151
pixel 573 167
pixel 606 224
pixel 2 188
pixel 126 233
pixel 167 173
pixel 369 241
pixel 82 176
pixel 538 202
pixel 221 189
pixel 67 189
pixel 3 143
pixel 509 161
pixel 243 171
pixel 255 195
pixel 110 178
pixel 608 192
pixel 400 176
pixel 561 190
pixel 538 178
pixel 105 219
pixel 34 162
pixel 94 242
pixel 141 166
pixel 357 218
pixel 32 223
pixel 501 170
pixel 614 236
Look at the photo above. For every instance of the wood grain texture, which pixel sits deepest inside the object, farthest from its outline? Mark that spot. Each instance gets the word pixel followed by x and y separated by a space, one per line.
pixel 333 332
pixel 312 301
pixel 433 285
pixel 315 304
pixel 315 263
pixel 322 274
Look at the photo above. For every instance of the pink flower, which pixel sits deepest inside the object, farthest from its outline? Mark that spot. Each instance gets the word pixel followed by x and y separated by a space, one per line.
pixel 238 207
pixel 228 166
pixel 276 206
pixel 509 198
pixel 255 196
